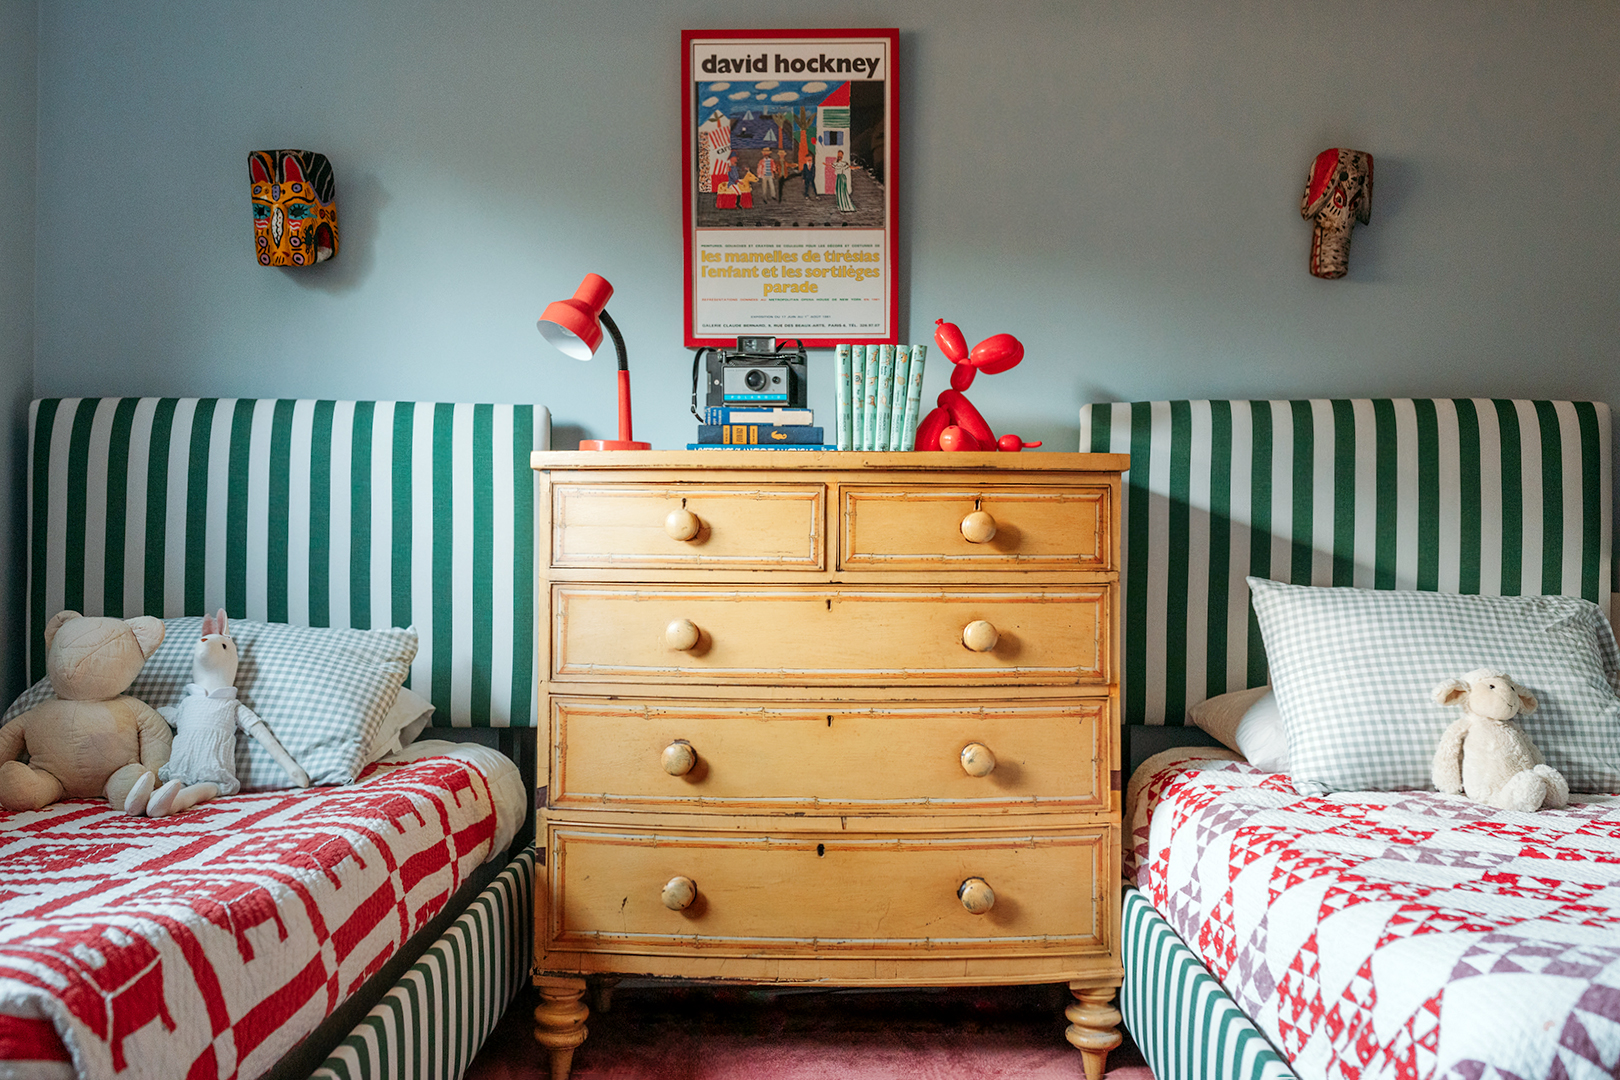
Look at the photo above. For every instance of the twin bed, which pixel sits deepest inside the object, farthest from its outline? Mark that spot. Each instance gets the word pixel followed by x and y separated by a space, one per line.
pixel 374 926
pixel 1298 918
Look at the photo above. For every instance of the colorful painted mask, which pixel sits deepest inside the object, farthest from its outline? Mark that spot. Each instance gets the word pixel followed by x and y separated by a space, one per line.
pixel 294 212
pixel 1338 193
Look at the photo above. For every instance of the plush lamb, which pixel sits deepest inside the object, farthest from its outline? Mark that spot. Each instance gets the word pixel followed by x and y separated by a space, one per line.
pixel 206 721
pixel 91 738
pixel 1485 755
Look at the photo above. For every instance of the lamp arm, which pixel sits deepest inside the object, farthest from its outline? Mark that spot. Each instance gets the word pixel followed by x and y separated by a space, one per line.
pixel 618 339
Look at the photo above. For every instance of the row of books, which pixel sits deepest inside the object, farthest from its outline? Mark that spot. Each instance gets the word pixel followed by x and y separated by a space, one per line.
pixel 732 427
pixel 879 395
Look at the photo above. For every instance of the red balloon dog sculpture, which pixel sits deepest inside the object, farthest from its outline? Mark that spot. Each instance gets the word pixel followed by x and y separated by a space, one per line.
pixel 956 424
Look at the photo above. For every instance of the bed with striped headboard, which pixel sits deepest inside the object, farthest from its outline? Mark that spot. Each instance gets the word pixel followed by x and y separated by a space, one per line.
pixel 1442 495
pixel 327 513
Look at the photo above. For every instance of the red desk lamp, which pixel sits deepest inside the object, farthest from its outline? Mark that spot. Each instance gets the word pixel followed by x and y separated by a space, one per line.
pixel 575 327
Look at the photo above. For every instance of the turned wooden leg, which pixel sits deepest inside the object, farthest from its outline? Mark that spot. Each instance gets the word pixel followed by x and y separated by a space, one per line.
pixel 559 1021
pixel 1093 1027
pixel 602 993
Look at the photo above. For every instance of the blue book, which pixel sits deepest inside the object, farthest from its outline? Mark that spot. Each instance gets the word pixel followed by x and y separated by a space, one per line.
pixel 757 434
pixel 771 446
pixel 868 401
pixel 885 391
pixel 754 414
pixel 914 380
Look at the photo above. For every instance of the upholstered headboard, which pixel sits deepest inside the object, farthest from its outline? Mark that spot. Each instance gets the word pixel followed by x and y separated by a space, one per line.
pixel 1472 496
pixel 321 513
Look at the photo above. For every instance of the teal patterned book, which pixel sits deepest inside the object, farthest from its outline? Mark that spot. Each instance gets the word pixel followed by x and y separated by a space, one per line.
pixel 841 391
pixel 869 400
pixel 857 395
pixel 919 359
pixel 884 395
pixel 897 403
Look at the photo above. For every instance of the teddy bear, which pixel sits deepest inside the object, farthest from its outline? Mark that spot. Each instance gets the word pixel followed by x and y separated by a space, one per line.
pixel 91 739
pixel 203 763
pixel 1485 755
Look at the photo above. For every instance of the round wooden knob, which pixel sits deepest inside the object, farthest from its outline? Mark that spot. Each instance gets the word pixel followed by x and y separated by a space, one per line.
pixel 680 891
pixel 980 636
pixel 977 760
pixel 679 757
pixel 979 527
pixel 682 524
pixel 681 635
pixel 975 893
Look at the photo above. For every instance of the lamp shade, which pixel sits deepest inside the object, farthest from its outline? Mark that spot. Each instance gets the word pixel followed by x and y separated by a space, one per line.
pixel 574 326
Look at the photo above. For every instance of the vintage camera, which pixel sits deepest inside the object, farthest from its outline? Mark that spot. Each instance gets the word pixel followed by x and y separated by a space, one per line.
pixel 757 373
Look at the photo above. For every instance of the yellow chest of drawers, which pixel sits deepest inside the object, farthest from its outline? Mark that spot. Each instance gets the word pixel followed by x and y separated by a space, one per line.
pixel 840 718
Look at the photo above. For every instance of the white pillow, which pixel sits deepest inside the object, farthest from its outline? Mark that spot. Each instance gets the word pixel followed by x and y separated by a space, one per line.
pixel 1249 722
pixel 1354 670
pixel 323 690
pixel 406 718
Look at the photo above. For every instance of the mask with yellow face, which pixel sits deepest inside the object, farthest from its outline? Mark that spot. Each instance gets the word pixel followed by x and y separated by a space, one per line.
pixel 294 212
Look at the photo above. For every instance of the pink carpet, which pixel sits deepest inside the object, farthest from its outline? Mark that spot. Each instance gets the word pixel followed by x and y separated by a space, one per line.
pixel 725 1033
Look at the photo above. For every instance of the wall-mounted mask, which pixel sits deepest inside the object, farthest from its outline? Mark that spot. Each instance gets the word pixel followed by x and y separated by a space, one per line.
pixel 294 212
pixel 1338 193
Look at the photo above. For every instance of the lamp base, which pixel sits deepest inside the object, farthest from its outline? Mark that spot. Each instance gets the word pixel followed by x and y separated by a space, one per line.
pixel 613 444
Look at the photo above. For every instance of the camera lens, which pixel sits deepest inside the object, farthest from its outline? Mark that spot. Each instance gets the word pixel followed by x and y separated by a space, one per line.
pixel 755 379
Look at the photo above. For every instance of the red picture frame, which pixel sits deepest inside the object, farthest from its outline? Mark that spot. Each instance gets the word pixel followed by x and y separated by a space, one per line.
pixel 807 250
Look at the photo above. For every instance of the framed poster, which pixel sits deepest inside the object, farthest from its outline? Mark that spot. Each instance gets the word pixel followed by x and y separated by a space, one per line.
pixel 789 181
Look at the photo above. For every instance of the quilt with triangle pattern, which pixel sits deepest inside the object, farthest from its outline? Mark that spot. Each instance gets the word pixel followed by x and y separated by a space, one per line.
pixel 1393 934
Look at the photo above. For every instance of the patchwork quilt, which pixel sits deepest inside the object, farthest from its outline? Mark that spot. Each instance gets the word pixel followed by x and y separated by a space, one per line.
pixel 1393 934
pixel 207 944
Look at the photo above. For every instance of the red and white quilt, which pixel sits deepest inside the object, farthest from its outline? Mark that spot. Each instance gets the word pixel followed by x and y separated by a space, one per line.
pixel 207 944
pixel 1394 934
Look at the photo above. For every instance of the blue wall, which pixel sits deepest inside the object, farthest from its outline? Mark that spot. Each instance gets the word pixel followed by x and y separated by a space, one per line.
pixel 18 109
pixel 1117 183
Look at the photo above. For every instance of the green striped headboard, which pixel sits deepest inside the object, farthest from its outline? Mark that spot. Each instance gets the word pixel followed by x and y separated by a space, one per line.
pixel 1469 495
pixel 320 513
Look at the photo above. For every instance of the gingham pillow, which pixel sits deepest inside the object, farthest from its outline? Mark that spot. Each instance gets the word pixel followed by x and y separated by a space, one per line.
pixel 1354 670
pixel 323 690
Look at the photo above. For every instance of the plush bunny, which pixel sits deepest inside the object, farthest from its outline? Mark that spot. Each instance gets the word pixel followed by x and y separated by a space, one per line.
pixel 1488 757
pixel 91 738
pixel 203 762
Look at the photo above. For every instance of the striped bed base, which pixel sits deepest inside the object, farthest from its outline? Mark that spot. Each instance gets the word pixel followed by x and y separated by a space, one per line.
pixel 431 1024
pixel 1183 1022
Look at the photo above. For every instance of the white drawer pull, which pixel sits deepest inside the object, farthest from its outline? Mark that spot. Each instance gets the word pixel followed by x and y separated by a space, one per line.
pixel 977 760
pixel 979 528
pixel 980 636
pixel 679 893
pixel 679 758
pixel 681 635
pixel 682 524
pixel 975 893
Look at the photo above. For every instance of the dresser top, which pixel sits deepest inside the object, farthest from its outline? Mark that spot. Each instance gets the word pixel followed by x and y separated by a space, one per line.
pixel 1029 461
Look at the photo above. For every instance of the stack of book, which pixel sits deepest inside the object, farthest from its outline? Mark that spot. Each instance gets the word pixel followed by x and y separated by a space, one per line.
pixel 754 427
pixel 879 394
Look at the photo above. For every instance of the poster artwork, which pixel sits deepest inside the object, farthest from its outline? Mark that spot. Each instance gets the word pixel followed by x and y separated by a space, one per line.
pixel 789 185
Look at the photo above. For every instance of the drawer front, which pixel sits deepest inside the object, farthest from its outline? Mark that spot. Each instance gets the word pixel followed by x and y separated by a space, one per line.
pixel 739 526
pixel 830 893
pixel 1043 754
pixel 809 635
pixel 921 528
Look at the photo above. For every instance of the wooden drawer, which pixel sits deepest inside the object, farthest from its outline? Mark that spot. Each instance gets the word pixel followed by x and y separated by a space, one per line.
pixel 816 636
pixel 826 893
pixel 742 526
pixel 1047 754
pixel 912 527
